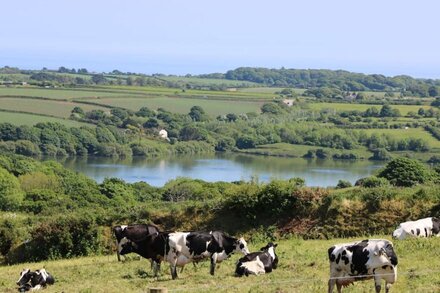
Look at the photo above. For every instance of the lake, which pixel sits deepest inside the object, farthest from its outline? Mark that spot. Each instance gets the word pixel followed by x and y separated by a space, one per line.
pixel 223 167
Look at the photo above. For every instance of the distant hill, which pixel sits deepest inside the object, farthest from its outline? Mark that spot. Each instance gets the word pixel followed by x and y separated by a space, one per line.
pixel 343 80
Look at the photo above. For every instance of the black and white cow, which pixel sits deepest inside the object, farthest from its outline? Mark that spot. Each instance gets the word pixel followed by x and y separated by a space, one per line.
pixel 196 246
pixel 366 259
pixel 426 227
pixel 31 281
pixel 135 233
pixel 260 262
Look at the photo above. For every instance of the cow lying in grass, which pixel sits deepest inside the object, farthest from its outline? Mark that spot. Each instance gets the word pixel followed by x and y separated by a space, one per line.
pixel 257 263
pixel 426 227
pixel 31 281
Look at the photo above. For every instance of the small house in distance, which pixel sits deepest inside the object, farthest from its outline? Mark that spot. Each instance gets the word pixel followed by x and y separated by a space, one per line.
pixel 164 134
pixel 288 102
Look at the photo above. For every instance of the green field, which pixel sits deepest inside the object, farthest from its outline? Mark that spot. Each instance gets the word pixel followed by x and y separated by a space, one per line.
pixel 31 119
pixel 404 109
pixel 303 267
pixel 53 93
pixel 407 133
pixel 46 107
pixel 183 105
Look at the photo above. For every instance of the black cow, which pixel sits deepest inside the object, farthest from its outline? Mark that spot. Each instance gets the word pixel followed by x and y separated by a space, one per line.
pixel 197 246
pixel 362 260
pixel 135 233
pixel 260 262
pixel 34 280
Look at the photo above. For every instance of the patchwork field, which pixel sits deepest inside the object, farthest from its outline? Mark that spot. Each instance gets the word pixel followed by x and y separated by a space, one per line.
pixel 303 267
pixel 183 105
pixel 32 119
pixel 46 107
pixel 53 93
pixel 407 133
pixel 404 109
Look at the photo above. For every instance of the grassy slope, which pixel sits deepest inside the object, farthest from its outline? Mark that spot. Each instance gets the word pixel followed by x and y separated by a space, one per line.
pixel 45 107
pixel 183 105
pixel 404 109
pixel 303 267
pixel 407 133
pixel 31 119
pixel 53 93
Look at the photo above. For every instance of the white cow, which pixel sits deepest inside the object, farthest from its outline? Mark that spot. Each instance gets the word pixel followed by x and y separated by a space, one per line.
pixel 426 227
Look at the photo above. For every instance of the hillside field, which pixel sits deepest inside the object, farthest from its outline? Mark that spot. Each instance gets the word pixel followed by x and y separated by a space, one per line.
pixel 303 267
pixel 404 109
pixel 55 108
pixel 32 119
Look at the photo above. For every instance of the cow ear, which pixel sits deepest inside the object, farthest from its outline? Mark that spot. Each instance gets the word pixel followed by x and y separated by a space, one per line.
pixel 275 245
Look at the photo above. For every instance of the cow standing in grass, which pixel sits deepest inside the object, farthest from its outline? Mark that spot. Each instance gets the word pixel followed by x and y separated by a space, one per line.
pixel 196 246
pixel 367 259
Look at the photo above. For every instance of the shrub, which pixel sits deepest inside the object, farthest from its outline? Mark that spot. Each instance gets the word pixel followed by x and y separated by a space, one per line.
pixel 343 184
pixel 406 172
pixel 372 181
pixel 10 193
pixel 64 236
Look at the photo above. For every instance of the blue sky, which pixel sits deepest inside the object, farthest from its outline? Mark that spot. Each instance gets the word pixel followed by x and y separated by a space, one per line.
pixel 194 36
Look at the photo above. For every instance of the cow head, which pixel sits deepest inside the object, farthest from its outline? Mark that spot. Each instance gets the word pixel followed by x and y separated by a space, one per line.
pixel 240 245
pixel 25 277
pixel 125 246
pixel 386 251
pixel 399 233
pixel 270 248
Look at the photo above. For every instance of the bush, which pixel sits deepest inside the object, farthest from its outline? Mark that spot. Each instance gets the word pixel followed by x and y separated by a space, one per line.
pixel 63 237
pixel 372 181
pixel 343 184
pixel 406 172
pixel 11 195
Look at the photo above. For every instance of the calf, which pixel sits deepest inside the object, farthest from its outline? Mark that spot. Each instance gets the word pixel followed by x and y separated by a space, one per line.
pixel 421 228
pixel 257 263
pixel 135 232
pixel 34 280
pixel 367 259
pixel 197 246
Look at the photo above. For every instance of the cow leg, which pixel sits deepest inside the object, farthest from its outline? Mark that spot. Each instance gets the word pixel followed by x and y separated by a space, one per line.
pixel 377 281
pixel 173 268
pixel 387 287
pixel 213 263
pixel 339 287
pixel 331 285
pixel 156 267
pixel 117 250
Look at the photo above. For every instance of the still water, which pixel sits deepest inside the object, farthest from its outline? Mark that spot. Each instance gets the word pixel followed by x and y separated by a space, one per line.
pixel 223 167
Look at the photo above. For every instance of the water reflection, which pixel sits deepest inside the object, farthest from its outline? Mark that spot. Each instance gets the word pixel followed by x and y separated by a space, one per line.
pixel 222 167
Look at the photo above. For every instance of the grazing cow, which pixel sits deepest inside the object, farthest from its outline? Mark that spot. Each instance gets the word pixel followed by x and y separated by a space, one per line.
pixel 135 233
pixel 421 228
pixel 198 246
pixel 31 281
pixel 367 259
pixel 257 263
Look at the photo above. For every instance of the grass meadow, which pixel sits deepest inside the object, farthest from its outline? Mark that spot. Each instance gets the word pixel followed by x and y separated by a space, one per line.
pixel 407 133
pixel 53 93
pixel 45 107
pixel 303 267
pixel 32 119
pixel 183 105
pixel 404 109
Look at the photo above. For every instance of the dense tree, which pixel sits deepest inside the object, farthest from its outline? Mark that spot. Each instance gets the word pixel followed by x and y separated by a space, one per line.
pixel 406 172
